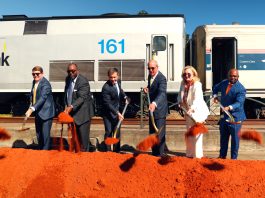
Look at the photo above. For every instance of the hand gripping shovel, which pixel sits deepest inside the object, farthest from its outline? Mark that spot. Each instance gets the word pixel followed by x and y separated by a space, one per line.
pixel 152 139
pixel 247 134
pixel 23 128
pixel 197 128
pixel 114 140
pixel 231 118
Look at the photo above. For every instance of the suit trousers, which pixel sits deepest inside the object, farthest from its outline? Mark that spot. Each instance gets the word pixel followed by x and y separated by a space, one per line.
pixel 227 129
pixel 83 132
pixel 43 129
pixel 159 150
pixel 110 126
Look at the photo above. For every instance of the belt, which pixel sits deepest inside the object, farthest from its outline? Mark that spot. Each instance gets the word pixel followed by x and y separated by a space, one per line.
pixel 238 122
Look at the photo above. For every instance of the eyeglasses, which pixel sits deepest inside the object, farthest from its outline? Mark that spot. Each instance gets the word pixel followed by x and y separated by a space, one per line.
pixel 151 68
pixel 71 71
pixel 35 74
pixel 186 74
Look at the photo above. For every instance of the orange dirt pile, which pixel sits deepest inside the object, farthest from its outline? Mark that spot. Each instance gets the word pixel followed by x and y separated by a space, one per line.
pixel 65 118
pixel 4 135
pixel 148 143
pixel 34 173
pixel 251 135
pixel 196 129
pixel 110 141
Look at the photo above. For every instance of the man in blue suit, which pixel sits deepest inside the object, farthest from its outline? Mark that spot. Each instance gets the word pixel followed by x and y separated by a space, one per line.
pixel 112 96
pixel 157 89
pixel 233 95
pixel 43 105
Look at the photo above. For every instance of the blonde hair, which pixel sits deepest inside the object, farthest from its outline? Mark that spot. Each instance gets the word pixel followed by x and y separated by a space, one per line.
pixel 194 72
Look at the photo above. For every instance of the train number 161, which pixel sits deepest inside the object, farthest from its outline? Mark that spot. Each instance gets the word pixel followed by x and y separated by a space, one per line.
pixel 111 46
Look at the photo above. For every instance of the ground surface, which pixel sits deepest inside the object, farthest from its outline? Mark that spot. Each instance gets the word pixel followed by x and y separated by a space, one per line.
pixel 33 173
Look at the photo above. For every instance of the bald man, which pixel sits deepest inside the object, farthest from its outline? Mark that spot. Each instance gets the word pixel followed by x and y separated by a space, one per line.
pixel 233 95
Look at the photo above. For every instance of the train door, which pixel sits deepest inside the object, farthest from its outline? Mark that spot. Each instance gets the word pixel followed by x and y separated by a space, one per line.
pixel 224 57
pixel 160 51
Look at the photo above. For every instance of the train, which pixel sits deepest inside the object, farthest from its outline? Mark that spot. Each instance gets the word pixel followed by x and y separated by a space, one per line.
pixel 127 42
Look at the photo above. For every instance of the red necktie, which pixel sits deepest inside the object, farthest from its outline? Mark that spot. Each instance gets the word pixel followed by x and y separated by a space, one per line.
pixel 228 88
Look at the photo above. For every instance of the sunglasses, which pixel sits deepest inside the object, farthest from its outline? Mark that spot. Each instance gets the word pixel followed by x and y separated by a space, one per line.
pixel 151 68
pixel 186 74
pixel 233 76
pixel 71 71
pixel 35 74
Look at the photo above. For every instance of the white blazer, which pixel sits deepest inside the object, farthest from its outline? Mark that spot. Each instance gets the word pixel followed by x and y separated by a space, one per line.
pixel 195 101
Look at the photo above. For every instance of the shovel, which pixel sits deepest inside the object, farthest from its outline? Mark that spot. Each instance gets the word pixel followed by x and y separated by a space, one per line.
pixel 232 120
pixel 114 140
pixel 196 128
pixel 152 116
pixel 23 128
pixel 152 139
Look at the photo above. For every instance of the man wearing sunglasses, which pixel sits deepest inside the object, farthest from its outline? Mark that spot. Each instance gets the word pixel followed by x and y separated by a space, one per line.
pixel 79 103
pixel 43 105
pixel 233 95
pixel 157 90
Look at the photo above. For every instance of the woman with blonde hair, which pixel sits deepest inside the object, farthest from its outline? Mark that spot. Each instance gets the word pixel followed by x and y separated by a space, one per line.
pixel 190 98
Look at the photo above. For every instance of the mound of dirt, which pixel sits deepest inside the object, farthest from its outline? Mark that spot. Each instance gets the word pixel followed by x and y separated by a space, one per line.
pixel 33 173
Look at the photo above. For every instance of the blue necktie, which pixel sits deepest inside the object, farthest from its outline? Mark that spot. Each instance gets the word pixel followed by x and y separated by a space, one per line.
pixel 70 93
pixel 117 88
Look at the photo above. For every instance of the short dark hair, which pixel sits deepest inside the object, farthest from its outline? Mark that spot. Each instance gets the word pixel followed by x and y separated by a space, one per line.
pixel 37 68
pixel 113 70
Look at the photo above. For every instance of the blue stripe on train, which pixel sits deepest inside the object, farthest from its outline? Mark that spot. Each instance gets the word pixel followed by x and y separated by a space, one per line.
pixel 251 61
pixel 245 62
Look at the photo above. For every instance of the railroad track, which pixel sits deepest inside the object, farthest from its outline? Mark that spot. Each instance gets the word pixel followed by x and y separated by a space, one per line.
pixel 129 121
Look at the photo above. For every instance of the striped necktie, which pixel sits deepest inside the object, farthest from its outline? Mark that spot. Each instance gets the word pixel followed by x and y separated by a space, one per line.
pixel 35 93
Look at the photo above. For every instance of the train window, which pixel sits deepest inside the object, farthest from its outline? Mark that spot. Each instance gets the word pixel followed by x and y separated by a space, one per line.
pixel 133 70
pixel 103 67
pixel 35 27
pixel 58 70
pixel 159 43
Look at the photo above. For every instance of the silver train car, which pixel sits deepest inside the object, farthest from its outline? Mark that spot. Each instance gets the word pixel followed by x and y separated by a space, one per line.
pixel 94 43
pixel 217 48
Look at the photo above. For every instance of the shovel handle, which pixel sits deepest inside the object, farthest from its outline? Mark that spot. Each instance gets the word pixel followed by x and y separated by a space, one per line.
pixel 186 112
pixel 227 113
pixel 152 114
pixel 119 123
pixel 24 122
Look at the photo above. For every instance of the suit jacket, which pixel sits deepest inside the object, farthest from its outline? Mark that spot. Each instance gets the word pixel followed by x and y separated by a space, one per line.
pixel 111 99
pixel 235 97
pixel 82 101
pixel 158 94
pixel 44 106
pixel 195 101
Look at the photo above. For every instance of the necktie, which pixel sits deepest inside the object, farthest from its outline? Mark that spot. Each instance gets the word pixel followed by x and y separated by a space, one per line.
pixel 151 81
pixel 34 93
pixel 117 88
pixel 228 88
pixel 70 92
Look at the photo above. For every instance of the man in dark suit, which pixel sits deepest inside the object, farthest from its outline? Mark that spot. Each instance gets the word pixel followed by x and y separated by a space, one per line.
pixel 79 103
pixel 112 96
pixel 43 105
pixel 157 89
pixel 233 95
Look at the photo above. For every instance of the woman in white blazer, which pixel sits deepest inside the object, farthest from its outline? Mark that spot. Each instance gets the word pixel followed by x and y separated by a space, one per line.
pixel 190 97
